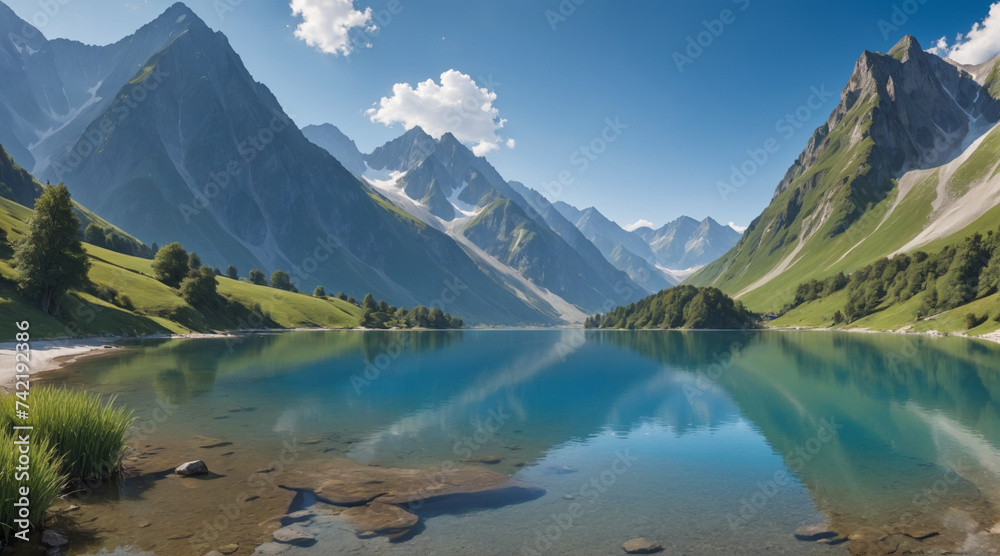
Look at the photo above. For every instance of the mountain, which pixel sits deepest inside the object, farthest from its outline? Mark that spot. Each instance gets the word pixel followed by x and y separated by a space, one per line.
pixel 53 90
pixel 654 258
pixel 508 226
pixel 185 146
pixel 907 160
pixel 342 147
pixel 19 186
pixel 627 251
pixel 686 243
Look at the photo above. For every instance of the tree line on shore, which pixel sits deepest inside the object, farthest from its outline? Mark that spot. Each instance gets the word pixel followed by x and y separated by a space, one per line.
pixel 954 276
pixel 51 260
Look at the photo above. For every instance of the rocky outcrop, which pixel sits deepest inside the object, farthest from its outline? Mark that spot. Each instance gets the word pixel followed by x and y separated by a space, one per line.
pixel 379 498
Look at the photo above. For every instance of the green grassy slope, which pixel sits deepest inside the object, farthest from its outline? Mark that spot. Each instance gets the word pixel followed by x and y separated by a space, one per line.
pixel 896 317
pixel 842 226
pixel 157 308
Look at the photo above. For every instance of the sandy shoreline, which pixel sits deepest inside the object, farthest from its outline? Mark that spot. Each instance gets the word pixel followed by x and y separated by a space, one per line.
pixel 47 355
pixel 990 337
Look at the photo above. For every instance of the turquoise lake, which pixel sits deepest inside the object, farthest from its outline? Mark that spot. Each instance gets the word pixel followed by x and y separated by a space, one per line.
pixel 708 442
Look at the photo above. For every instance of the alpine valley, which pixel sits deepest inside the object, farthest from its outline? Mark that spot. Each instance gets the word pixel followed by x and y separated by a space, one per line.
pixel 167 135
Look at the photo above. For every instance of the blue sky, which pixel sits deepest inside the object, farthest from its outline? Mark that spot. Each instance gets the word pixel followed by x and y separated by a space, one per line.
pixel 560 82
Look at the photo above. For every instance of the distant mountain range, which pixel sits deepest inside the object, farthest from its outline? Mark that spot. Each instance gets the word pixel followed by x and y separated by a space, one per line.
pixel 670 253
pixel 167 135
pixel 909 159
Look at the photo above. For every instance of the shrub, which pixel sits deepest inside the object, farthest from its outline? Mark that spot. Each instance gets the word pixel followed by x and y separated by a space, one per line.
pixel 320 291
pixel 280 280
pixel 972 321
pixel 125 302
pixel 45 481
pixel 171 264
pixel 88 435
pixel 838 317
pixel 232 273
pixel 106 293
pixel 257 277
pixel 200 288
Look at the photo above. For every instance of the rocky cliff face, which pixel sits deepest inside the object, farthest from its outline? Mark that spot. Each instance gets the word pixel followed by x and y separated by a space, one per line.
pixel 915 109
pixel 342 147
pixel 514 225
pixel 900 112
pixel 186 146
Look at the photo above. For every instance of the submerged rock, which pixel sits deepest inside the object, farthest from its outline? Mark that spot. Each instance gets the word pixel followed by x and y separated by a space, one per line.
pixel 294 536
pixel 814 532
pixel 374 494
pixel 191 468
pixel 642 546
pixel 53 539
pixel 382 519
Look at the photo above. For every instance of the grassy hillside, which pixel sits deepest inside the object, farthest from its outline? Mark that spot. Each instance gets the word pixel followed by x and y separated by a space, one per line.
pixel 953 289
pixel 837 215
pixel 155 307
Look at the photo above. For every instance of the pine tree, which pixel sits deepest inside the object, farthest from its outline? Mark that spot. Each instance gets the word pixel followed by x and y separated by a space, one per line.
pixel 50 260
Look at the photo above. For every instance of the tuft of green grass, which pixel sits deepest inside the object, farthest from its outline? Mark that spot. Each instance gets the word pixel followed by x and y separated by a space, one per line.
pixel 88 435
pixel 45 482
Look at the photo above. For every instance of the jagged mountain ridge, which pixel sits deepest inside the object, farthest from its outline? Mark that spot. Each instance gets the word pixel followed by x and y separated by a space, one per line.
pixel 853 194
pixel 281 202
pixel 512 225
pixel 653 255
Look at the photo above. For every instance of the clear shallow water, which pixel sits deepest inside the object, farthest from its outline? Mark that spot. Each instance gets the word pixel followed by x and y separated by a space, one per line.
pixel 710 442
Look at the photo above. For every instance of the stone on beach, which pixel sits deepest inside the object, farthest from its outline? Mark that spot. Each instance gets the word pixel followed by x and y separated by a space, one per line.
pixel 192 468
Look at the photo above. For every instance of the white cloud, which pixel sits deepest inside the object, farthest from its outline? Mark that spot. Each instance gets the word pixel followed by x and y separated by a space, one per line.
pixel 327 24
pixel 980 44
pixel 456 105
pixel 639 224
pixel 739 229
